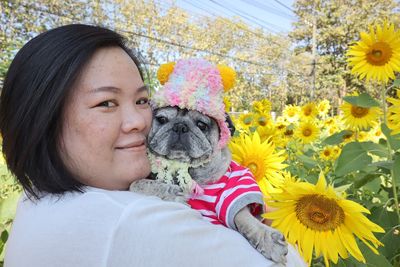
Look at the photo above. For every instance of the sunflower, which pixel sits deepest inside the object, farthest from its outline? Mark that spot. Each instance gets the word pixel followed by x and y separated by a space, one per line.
pixel 323 107
pixel 362 136
pixel 360 118
pixel 326 154
pixel 375 134
pixel 246 121
pixel 280 126
pixel 333 129
pixel 262 106
pixel 377 55
pixel 291 113
pixel 348 137
pixel 259 157
pixel 228 104
pixel 317 218
pixel 336 151
pixel 267 132
pixel 329 153
pixel 309 111
pixel 330 121
pixel 394 114
pixel 307 132
pixel 263 119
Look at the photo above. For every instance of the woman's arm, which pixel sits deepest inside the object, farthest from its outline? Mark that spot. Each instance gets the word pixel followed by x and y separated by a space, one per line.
pixel 156 233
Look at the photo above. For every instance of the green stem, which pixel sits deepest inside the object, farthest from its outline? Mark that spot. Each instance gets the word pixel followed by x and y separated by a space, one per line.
pixel 390 156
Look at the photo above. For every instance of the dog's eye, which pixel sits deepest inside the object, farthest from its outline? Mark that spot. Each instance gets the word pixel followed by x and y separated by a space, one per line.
pixel 162 119
pixel 202 126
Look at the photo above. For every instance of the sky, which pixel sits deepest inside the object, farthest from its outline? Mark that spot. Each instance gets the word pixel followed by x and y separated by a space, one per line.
pixel 274 16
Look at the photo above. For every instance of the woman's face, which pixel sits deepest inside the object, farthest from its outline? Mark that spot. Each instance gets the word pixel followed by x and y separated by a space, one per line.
pixel 106 121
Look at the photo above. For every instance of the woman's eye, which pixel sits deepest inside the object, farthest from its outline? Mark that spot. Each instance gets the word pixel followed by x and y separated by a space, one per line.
pixel 161 119
pixel 107 104
pixel 143 101
pixel 202 126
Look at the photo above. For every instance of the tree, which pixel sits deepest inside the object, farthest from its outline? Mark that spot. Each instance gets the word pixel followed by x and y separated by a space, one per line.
pixel 338 24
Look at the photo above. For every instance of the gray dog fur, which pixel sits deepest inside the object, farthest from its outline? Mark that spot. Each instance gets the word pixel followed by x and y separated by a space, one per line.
pixel 192 137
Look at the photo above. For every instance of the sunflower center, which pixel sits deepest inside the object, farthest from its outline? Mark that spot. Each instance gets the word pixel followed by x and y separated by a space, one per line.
pixel 307 132
pixel 348 136
pixel 262 121
pixel 253 167
pixel 288 133
pixel 319 213
pixel 307 111
pixel 327 153
pixel 359 112
pixel 248 120
pixel 379 54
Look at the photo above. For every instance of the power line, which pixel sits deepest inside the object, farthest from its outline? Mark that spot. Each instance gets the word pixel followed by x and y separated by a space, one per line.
pixel 285 6
pixel 227 20
pixel 163 41
pixel 248 17
pixel 268 9
pixel 156 39
pixel 261 36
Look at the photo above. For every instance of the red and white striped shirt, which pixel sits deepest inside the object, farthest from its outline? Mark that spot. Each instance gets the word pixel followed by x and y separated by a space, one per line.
pixel 223 199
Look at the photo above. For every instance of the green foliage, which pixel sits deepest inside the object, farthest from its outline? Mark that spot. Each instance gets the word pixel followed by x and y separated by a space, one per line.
pixel 336 138
pixel 338 25
pixel 363 100
pixel 9 194
pixel 353 157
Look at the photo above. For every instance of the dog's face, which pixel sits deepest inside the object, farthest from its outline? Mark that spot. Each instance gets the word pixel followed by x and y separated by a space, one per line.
pixel 185 135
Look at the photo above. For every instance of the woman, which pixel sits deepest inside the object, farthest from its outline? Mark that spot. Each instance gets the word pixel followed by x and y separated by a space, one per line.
pixel 74 116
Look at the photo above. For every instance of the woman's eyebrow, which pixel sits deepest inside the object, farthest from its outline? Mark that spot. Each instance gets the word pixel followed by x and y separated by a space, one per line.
pixel 116 89
pixel 105 89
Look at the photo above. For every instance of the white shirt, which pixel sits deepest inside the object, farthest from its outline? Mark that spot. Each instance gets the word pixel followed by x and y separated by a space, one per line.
pixel 120 228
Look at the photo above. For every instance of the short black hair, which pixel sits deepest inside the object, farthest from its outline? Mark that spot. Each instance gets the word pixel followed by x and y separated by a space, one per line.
pixel 33 97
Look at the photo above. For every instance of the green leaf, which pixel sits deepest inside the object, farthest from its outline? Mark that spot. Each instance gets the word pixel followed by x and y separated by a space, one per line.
pixel 371 179
pixel 396 169
pixel 394 140
pixel 352 158
pixel 382 164
pixel 372 259
pixel 336 138
pixel 375 149
pixel 307 161
pixel 387 220
pixel 8 206
pixel 4 236
pixel 396 83
pixel 363 100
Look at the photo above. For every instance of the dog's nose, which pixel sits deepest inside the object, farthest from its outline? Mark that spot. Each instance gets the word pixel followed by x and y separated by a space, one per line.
pixel 180 128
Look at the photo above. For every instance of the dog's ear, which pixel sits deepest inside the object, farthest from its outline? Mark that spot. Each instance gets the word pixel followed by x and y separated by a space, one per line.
pixel 229 121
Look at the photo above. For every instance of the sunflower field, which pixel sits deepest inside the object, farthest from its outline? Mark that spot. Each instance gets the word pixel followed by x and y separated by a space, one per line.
pixel 332 182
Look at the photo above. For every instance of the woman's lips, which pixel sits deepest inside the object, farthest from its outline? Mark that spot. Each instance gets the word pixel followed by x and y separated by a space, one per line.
pixel 135 146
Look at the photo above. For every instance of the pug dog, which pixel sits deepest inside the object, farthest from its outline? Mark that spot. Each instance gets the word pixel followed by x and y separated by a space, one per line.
pixel 192 137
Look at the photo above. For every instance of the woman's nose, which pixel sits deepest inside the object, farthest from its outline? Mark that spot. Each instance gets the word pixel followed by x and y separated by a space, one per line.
pixel 133 120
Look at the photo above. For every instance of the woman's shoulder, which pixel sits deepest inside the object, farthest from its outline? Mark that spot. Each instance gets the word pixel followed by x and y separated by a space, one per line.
pixel 89 199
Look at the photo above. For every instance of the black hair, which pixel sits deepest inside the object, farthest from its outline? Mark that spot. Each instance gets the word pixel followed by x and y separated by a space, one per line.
pixel 33 98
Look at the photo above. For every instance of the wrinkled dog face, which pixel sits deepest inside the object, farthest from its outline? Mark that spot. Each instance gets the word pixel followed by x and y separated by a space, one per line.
pixel 184 135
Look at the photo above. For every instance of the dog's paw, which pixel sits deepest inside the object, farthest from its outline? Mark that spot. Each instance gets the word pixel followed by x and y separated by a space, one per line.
pixel 272 245
pixel 174 193
pixel 167 192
